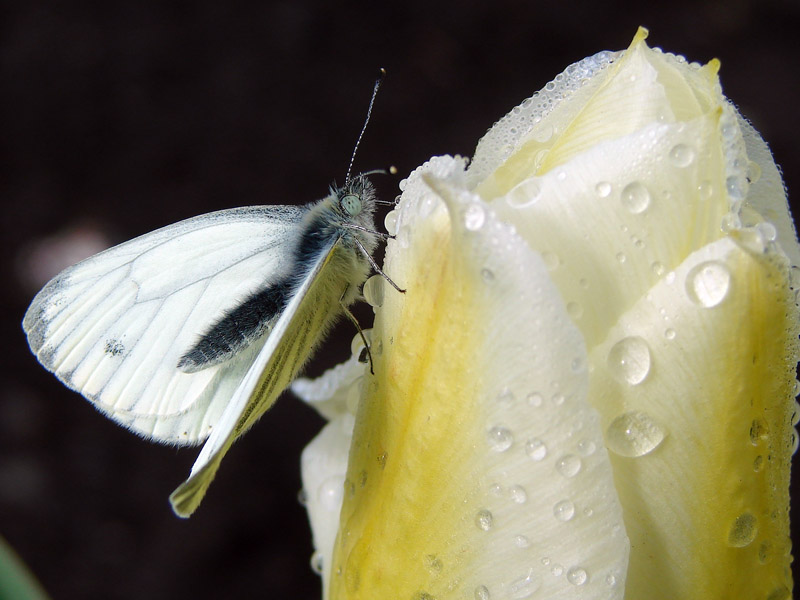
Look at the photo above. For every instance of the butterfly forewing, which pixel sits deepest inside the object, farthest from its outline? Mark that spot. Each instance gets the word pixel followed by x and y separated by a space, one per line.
pixel 114 326
pixel 313 307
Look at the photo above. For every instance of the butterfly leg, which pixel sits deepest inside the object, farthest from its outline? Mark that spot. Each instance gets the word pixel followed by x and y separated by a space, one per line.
pixel 354 321
pixel 375 266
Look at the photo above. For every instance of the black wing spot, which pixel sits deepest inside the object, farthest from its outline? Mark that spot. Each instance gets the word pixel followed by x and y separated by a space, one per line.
pixel 114 347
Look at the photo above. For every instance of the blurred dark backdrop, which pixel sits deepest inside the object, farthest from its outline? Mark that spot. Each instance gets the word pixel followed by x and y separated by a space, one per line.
pixel 120 117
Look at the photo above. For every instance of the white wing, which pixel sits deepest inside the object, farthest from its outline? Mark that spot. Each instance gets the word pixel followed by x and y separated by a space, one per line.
pixel 114 326
pixel 281 355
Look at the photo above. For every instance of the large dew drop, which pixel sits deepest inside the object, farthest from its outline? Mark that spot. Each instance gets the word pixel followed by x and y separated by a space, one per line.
pixel 635 197
pixel 634 434
pixel 743 530
pixel 629 360
pixel 708 283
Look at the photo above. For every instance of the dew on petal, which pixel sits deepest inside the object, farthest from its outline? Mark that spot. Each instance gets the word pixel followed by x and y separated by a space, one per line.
pixel 316 562
pixel 487 275
pixel 577 576
pixel 474 217
pixel 484 520
pixel 521 541
pixel 603 189
pixel 524 587
pixel 743 530
pixel 373 291
pixel 575 310
pixel 586 447
pixel 708 283
pixel 669 333
pixel 629 360
pixel 524 194
pixel 482 593
pixel 681 155
pixel 536 449
pixel 564 510
pixel 518 494
pixel 535 399
pixel 635 197
pixel 390 222
pixel 634 434
pixel 551 260
pixel 330 493
pixel 500 439
pixel 568 465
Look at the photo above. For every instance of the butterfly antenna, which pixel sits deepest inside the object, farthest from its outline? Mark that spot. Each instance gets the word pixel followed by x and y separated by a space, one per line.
pixel 378 82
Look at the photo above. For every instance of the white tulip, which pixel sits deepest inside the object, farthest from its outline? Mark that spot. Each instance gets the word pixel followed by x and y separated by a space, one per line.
pixel 587 390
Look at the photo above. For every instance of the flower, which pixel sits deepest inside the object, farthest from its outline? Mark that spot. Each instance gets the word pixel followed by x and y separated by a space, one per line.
pixel 587 390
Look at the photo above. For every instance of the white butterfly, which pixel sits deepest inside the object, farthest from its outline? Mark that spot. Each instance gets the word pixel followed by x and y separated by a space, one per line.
pixel 191 332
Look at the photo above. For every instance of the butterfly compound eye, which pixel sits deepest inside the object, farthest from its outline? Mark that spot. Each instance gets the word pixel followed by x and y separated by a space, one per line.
pixel 351 203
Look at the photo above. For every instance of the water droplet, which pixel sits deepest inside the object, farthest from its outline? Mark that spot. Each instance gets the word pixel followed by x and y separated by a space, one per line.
pixel 482 593
pixel 681 155
pixel 484 520
pixel 708 283
pixel 521 541
pixel 373 291
pixel 524 194
pixel 758 463
pixel 635 197
pixel 535 399
pixel 705 189
pixel 557 570
pixel 577 576
pixel 588 512
pixel 474 217
pixel 433 564
pixel 487 275
pixel 657 268
pixel 518 494
pixel 621 258
pixel 584 283
pixel 496 489
pixel 765 552
pixel 330 493
pixel 545 560
pixel 524 587
pixel 564 510
pixel 603 189
pixel 561 176
pixel 316 563
pixel 611 580
pixel 629 360
pixel 669 333
pixel 634 434
pixel 558 399
pixel 506 396
pixel 500 439
pixel 390 222
pixel 551 260
pixel 568 465
pixel 302 497
pixel 586 447
pixel 575 310
pixel 536 449
pixel 743 530
pixel 759 431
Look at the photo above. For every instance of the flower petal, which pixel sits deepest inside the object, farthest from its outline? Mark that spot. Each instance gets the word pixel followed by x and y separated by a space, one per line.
pixel 477 467
pixel 691 397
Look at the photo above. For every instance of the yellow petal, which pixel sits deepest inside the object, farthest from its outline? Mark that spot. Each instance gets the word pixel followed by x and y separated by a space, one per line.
pixel 477 465
pixel 691 384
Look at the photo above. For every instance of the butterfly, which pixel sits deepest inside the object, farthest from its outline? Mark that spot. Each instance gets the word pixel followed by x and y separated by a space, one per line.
pixel 188 334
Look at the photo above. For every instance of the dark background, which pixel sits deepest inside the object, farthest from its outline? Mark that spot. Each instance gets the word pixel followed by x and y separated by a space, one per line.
pixel 120 117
